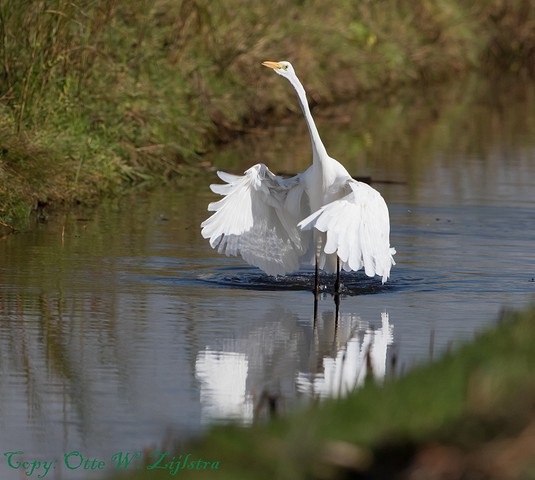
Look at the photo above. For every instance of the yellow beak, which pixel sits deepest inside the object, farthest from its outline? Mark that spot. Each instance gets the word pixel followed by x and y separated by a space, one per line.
pixel 272 64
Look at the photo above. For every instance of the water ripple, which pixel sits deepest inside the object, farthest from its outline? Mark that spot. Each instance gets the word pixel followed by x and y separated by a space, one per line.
pixel 352 284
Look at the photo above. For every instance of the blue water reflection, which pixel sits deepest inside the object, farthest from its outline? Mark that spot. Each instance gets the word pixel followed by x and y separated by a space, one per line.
pixel 120 326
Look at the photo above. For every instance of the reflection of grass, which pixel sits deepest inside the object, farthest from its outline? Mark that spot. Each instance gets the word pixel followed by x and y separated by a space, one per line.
pixel 53 360
pixel 102 94
pixel 470 412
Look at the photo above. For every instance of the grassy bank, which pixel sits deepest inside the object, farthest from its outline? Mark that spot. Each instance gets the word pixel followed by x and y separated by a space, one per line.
pixel 96 96
pixel 469 415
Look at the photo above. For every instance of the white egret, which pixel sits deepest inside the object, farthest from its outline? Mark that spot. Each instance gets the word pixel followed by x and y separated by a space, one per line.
pixel 321 217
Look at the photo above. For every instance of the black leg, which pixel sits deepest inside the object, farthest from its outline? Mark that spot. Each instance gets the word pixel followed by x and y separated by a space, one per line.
pixel 336 314
pixel 337 281
pixel 337 284
pixel 316 280
pixel 315 313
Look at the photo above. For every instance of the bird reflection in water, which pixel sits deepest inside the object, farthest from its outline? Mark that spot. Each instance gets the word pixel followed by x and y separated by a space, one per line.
pixel 358 353
pixel 243 382
pixel 223 380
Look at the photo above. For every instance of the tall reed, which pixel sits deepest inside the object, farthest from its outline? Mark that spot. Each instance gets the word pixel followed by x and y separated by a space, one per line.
pixel 45 43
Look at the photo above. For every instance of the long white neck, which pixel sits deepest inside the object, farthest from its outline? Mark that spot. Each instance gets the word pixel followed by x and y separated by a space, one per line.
pixel 318 150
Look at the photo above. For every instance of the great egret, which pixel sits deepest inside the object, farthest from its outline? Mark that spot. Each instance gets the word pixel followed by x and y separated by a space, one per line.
pixel 322 216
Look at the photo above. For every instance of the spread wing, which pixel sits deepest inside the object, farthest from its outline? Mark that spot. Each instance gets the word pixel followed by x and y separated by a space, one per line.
pixel 257 219
pixel 357 228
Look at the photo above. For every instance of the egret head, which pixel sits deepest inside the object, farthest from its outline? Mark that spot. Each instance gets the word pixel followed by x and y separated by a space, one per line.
pixel 283 68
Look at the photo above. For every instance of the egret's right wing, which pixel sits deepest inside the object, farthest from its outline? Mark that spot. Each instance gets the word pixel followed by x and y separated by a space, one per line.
pixel 357 229
pixel 257 219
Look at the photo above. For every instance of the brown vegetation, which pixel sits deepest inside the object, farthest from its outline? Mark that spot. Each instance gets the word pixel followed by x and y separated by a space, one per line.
pixel 99 95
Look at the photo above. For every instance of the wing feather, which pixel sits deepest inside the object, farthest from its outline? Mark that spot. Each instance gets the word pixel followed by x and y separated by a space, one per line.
pixel 357 228
pixel 257 219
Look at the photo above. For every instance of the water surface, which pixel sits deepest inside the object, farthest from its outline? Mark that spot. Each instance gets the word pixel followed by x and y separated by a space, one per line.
pixel 120 327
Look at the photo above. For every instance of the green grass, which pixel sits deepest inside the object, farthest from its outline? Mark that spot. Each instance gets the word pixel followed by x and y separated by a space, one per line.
pixel 465 405
pixel 97 96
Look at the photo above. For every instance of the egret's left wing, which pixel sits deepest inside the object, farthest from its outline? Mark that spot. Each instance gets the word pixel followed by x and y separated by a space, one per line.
pixel 257 219
pixel 357 228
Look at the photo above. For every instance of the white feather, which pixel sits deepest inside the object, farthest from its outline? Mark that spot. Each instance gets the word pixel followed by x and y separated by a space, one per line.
pixel 257 220
pixel 320 215
pixel 357 228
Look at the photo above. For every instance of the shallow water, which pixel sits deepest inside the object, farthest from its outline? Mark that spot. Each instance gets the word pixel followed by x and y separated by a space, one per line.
pixel 120 327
